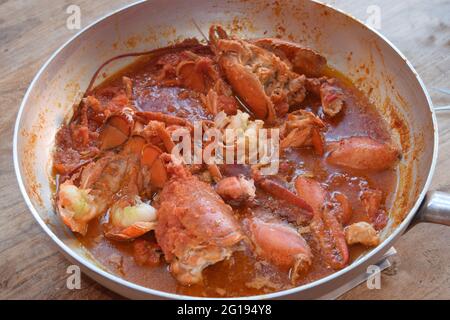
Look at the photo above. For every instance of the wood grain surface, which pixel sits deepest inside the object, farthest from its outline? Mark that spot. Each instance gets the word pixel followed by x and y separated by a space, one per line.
pixel 30 30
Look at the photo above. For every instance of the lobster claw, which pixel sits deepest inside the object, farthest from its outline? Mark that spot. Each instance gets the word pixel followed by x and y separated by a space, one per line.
pixel 116 129
pixel 303 60
pixel 264 82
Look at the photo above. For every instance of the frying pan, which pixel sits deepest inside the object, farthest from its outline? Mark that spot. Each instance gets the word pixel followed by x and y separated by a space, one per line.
pixel 377 68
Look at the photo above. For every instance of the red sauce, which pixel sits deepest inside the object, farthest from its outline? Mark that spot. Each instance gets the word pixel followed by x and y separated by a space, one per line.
pixel 244 274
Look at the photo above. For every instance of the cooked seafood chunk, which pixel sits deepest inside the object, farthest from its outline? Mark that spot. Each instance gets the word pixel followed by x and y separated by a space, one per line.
pixel 346 213
pixel 197 73
pixel 331 95
pixel 330 236
pixel 325 226
pixel 99 181
pixel 236 189
pixel 303 129
pixel 277 190
pixel 244 133
pixel 311 190
pixel 280 244
pixel 195 227
pixel 363 233
pixel 76 207
pixel 116 129
pixel 303 60
pixel 262 80
pixel 131 218
pixel 200 74
pixel 371 200
pixel 362 153
pixel 332 98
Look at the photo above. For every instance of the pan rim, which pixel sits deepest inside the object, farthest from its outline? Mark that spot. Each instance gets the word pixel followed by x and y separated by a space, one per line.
pixel 157 293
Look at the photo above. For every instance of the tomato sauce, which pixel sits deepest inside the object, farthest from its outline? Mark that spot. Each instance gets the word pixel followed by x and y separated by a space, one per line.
pixel 244 274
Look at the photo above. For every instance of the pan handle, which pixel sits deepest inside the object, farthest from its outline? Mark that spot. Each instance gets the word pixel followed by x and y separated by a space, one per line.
pixel 436 206
pixel 434 209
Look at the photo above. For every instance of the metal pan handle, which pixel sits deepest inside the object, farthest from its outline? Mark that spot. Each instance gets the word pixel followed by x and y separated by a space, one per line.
pixel 434 209
pixel 436 206
pixel 442 108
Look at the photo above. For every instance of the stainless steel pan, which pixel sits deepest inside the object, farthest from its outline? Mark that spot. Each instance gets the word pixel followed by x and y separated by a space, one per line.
pixel 370 60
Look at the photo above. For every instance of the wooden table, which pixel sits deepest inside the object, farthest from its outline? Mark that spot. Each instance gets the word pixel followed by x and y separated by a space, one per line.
pixel 30 30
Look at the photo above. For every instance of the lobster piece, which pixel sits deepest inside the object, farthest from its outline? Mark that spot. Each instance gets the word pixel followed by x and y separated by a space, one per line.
pixel 371 201
pixel 114 181
pixel 200 74
pixel 99 181
pixel 278 191
pixel 325 226
pixel 303 129
pixel 345 214
pixel 281 245
pixel 116 129
pixel 362 153
pixel 330 236
pixel 147 116
pixel 236 189
pixel 153 174
pixel 195 227
pixel 331 94
pixel 264 82
pixel 311 64
pixel 363 233
pixel 311 190
pixel 129 217
pixel 332 98
pixel 153 167
pixel 303 60
pixel 197 73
